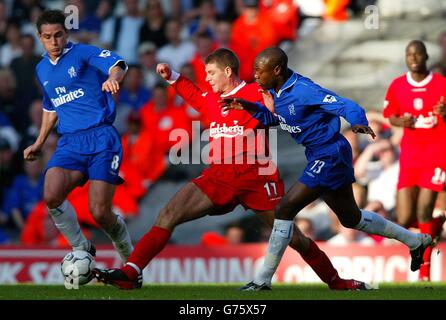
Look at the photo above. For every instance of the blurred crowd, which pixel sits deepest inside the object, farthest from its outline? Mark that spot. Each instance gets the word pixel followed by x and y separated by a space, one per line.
pixel 179 32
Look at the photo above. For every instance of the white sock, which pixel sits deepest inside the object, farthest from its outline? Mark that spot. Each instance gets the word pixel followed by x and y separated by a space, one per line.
pixel 373 223
pixel 120 237
pixel 278 242
pixel 65 219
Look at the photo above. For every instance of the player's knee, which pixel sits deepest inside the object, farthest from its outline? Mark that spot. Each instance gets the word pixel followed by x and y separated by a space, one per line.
pixel 349 222
pixel 284 212
pixel 52 200
pixel 101 214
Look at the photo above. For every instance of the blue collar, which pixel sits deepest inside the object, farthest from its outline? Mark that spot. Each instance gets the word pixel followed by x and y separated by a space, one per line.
pixel 67 48
pixel 289 83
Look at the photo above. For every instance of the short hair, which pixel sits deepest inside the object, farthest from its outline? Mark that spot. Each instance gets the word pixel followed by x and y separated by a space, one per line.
pixel 274 56
pixel 417 43
pixel 51 17
pixel 224 57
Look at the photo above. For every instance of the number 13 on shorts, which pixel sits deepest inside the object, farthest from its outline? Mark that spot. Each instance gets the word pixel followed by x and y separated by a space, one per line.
pixel 317 166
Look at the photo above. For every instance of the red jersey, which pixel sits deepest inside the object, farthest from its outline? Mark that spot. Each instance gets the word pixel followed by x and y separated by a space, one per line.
pixel 406 96
pixel 231 132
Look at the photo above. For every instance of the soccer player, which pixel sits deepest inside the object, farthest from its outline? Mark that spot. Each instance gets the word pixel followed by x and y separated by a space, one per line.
pixel 415 101
pixel 78 82
pixel 226 183
pixel 311 114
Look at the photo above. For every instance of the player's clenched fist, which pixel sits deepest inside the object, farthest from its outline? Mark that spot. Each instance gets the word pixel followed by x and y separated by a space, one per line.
pixel 32 152
pixel 163 69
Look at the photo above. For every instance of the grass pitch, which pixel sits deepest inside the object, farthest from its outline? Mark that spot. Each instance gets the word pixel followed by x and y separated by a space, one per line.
pixel 398 291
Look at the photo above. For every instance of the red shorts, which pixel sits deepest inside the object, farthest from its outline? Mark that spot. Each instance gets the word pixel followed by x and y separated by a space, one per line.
pixel 228 185
pixel 427 177
pixel 422 165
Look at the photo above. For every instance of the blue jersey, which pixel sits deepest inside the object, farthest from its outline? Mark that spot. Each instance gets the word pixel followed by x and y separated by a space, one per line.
pixel 309 112
pixel 72 87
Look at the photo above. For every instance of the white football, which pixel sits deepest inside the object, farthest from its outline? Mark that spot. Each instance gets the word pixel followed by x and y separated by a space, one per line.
pixel 77 268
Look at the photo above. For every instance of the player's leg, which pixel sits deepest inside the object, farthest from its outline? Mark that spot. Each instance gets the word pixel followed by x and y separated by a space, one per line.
pixel 298 197
pixel 189 203
pixel 427 224
pixel 441 201
pixel 58 184
pixel 103 172
pixel 314 257
pixel 342 202
pixel 440 212
pixel 406 205
pixel 210 193
pixel 100 204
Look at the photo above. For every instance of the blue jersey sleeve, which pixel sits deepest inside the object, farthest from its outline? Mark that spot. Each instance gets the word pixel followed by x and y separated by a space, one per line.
pixel 47 105
pixel 46 102
pixel 101 59
pixel 265 116
pixel 340 106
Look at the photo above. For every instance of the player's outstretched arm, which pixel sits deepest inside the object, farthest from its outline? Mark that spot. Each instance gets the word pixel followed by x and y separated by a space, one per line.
pixel 239 104
pixel 49 120
pixel 359 128
pixel 184 87
pixel 115 76
pixel 257 110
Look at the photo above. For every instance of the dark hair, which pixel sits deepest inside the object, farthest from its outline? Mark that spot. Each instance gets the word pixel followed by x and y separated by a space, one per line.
pixel 224 58
pixel 419 44
pixel 51 17
pixel 275 56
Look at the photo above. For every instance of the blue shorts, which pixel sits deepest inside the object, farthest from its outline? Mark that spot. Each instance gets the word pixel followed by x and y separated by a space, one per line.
pixel 96 152
pixel 329 166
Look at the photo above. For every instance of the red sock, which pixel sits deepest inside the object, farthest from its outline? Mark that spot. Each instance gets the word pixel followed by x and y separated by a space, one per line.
pixel 146 249
pixel 437 225
pixel 426 227
pixel 319 262
pixel 425 272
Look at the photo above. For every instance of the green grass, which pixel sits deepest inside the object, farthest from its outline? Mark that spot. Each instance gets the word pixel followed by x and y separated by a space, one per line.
pixel 400 291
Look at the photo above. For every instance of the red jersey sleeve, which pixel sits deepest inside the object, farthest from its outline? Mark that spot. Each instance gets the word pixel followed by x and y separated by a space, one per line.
pixel 391 103
pixel 192 94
